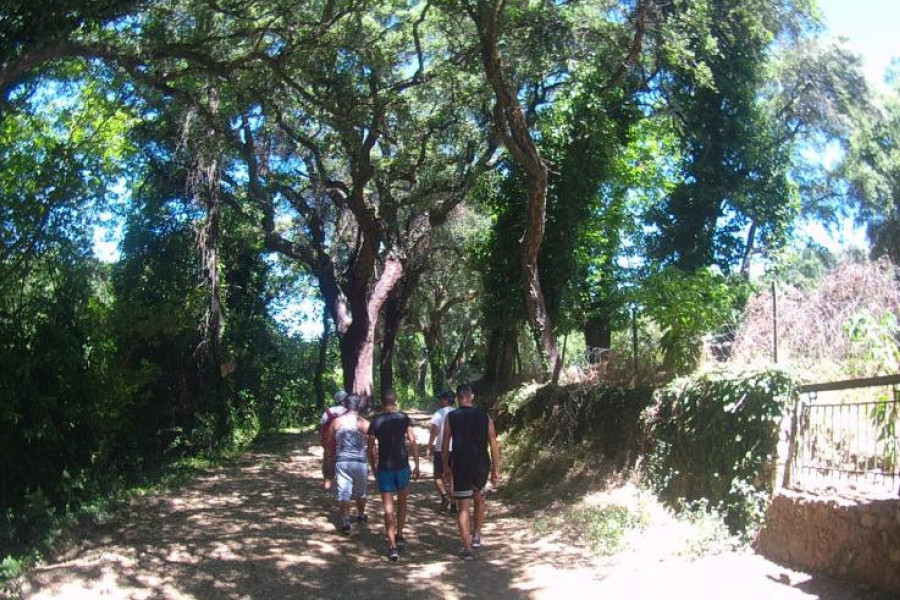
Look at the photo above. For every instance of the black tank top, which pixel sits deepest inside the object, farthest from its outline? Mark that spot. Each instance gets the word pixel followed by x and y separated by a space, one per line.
pixel 469 432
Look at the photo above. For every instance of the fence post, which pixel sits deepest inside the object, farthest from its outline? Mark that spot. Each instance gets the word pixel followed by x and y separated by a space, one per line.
pixel 792 443
pixel 775 321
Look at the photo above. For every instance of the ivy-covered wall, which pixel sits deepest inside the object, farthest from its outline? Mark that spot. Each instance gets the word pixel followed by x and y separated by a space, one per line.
pixel 714 438
pixel 707 440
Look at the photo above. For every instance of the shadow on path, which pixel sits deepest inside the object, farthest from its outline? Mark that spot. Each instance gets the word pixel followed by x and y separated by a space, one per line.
pixel 261 527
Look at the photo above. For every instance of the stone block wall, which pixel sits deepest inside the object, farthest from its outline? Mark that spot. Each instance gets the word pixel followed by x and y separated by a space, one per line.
pixel 854 539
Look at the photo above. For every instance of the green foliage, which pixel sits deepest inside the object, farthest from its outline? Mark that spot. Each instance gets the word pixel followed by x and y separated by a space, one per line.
pixel 602 528
pixel 605 418
pixel 687 305
pixel 715 437
pixel 872 167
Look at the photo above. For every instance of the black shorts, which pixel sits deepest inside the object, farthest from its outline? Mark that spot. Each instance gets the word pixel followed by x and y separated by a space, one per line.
pixel 469 477
pixel 438 464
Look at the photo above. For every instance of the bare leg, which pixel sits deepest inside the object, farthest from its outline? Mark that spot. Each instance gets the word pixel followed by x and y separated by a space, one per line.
pixel 401 510
pixel 439 485
pixel 479 511
pixel 387 499
pixel 361 506
pixel 345 511
pixel 463 520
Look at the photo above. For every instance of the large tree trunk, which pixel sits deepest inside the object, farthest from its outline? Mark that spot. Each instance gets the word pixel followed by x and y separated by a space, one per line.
pixel 511 125
pixel 454 365
pixel 358 342
pixel 435 359
pixel 502 350
pixel 394 313
pixel 322 361
pixel 598 332
pixel 393 316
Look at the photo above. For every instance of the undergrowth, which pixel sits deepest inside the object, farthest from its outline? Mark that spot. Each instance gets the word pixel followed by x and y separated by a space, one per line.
pixel 46 525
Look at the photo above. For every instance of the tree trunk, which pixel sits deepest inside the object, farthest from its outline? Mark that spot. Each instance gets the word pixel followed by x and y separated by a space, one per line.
pixel 454 365
pixel 433 356
pixel 501 357
pixel 358 342
pixel 394 313
pixel 598 332
pixel 511 125
pixel 392 320
pixel 322 361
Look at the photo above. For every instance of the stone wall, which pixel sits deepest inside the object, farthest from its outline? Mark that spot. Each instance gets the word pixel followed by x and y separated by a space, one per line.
pixel 857 540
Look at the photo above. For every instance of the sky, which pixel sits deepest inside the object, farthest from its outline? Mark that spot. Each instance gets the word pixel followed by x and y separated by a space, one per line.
pixel 871 29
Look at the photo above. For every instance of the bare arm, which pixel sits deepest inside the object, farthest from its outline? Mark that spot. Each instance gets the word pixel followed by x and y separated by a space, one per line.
pixel 432 435
pixel 329 439
pixel 445 449
pixel 372 452
pixel 411 436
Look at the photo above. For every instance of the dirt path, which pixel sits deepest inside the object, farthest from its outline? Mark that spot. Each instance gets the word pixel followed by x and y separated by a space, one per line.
pixel 259 529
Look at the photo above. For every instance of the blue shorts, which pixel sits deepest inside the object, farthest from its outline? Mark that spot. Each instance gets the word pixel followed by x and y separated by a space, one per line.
pixel 395 480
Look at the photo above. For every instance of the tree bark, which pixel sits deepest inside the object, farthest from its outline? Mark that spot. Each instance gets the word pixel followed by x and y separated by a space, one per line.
pixel 598 332
pixel 322 361
pixel 358 344
pixel 394 313
pixel 502 349
pixel 509 119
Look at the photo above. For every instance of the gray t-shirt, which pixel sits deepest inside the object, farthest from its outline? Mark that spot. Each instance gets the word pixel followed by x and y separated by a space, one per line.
pixel 351 443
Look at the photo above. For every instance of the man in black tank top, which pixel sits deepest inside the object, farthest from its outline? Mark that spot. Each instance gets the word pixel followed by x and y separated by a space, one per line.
pixel 472 432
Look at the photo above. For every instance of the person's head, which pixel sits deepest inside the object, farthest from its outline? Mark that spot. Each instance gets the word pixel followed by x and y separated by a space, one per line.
pixel 340 397
pixel 445 398
pixel 465 394
pixel 352 402
pixel 389 400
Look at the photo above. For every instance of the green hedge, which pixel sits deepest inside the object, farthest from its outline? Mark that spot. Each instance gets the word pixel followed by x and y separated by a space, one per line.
pixel 714 440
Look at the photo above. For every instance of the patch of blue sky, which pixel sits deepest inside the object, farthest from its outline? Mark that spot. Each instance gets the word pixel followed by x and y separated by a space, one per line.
pixel 868 28
pixel 110 226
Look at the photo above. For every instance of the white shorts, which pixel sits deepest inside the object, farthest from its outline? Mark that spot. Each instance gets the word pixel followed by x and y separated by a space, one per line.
pixel 350 478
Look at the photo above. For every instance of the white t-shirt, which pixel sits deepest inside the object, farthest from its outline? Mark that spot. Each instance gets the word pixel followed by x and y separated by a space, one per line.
pixel 438 418
pixel 335 411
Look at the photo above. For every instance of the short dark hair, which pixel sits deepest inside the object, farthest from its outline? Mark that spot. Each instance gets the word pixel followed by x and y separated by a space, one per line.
pixel 465 390
pixel 352 402
pixel 388 398
pixel 447 395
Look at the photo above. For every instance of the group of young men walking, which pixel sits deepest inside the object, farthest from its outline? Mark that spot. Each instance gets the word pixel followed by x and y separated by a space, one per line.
pixel 466 455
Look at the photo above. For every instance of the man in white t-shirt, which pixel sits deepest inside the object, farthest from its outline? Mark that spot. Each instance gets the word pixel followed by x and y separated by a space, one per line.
pixel 434 446
pixel 328 416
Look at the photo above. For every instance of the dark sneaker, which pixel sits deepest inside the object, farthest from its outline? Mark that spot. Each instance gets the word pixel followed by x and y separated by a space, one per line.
pixel 345 526
pixel 476 541
pixel 466 554
pixel 453 509
pixel 445 503
pixel 363 518
pixel 393 554
pixel 401 543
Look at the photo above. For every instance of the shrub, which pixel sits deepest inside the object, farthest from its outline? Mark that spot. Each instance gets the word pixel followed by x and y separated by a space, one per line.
pixel 715 436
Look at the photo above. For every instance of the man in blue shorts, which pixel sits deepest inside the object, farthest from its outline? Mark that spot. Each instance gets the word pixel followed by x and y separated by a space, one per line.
pixel 471 431
pixel 389 433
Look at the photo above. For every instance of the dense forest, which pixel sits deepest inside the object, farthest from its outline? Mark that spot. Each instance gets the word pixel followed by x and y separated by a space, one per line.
pixel 452 190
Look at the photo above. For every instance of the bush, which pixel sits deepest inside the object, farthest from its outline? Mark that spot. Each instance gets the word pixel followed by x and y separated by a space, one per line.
pixel 715 437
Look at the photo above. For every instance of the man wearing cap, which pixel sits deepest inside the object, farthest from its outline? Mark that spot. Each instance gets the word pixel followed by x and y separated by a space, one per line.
pixel 348 433
pixel 328 453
